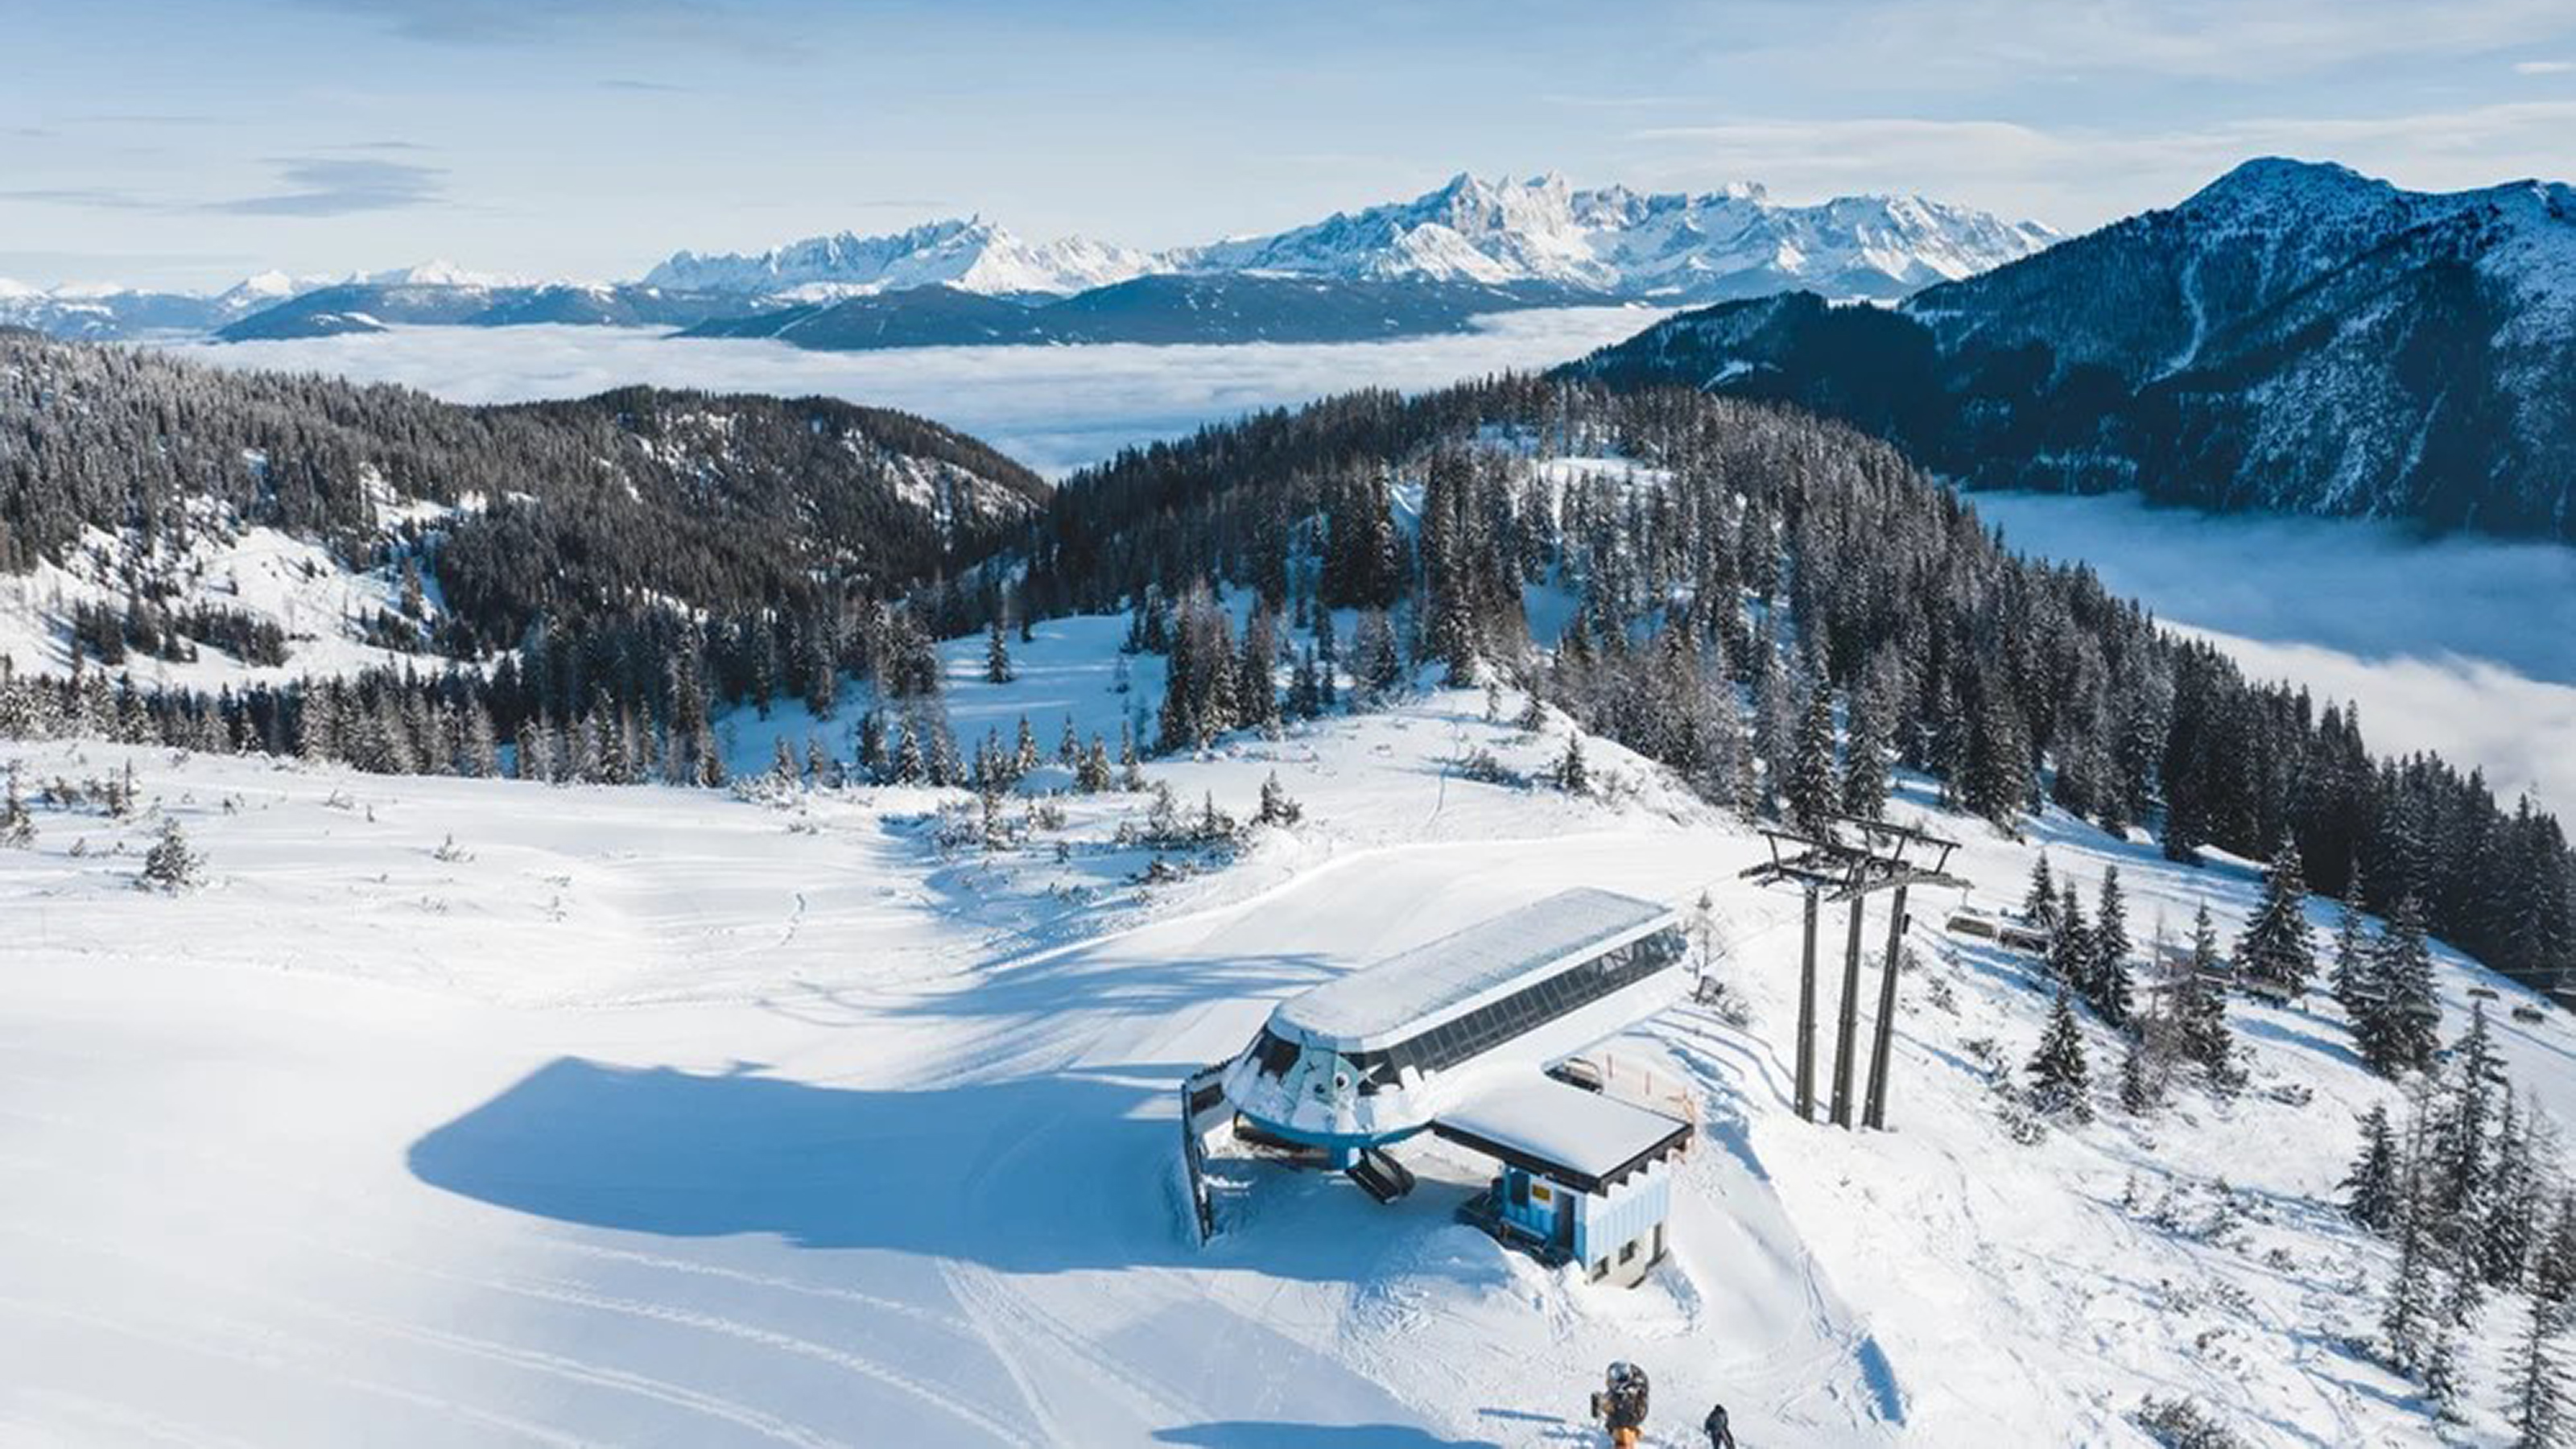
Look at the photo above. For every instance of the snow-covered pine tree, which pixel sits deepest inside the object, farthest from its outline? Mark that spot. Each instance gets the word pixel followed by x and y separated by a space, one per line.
pixel 2277 947
pixel 2039 903
pixel 2141 1084
pixel 2508 1229
pixel 2537 1409
pixel 1276 807
pixel 910 767
pixel 2463 1166
pixel 1092 775
pixel 997 653
pixel 2553 1266
pixel 2111 947
pixel 2059 1080
pixel 2070 949
pixel 1068 746
pixel 1813 797
pixel 2400 1031
pixel 17 825
pixel 2353 978
pixel 2408 1321
pixel 2371 1188
pixel 1024 750
pixel 1864 786
pixel 1131 771
pixel 1571 774
pixel 2200 1011
pixel 170 865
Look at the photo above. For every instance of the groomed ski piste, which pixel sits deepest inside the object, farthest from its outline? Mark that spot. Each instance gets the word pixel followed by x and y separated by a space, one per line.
pixel 453 1111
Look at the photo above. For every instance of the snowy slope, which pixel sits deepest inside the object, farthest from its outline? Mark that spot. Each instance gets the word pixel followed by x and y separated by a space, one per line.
pixel 648 1115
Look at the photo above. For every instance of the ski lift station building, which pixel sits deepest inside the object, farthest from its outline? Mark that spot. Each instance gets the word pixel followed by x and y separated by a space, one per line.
pixel 1456 1038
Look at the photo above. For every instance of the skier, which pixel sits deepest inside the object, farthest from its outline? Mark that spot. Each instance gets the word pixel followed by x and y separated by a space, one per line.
pixel 1719 1435
pixel 1621 1407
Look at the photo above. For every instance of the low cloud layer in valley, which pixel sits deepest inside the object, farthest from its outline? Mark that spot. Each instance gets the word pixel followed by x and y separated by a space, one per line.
pixel 1054 408
pixel 2460 645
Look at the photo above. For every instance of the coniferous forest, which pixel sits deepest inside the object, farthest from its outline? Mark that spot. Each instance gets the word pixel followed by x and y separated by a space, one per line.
pixel 1771 604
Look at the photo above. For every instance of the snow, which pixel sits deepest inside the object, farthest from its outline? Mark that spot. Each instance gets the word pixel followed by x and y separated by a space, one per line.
pixel 646 1115
pixel 318 602
pixel 1432 983
pixel 1588 1133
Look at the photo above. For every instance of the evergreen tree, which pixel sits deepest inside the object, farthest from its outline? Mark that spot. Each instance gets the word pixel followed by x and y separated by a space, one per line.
pixel 1276 807
pixel 2070 949
pixel 2407 1322
pixel 1131 771
pixel 2353 979
pixel 2060 1082
pixel 1865 756
pixel 997 653
pixel 1813 797
pixel 1068 746
pixel 1024 750
pixel 2200 1010
pixel 2371 1187
pixel 2538 1408
pixel 2110 942
pixel 17 826
pixel 2399 1032
pixel 2277 947
pixel 170 865
pixel 2039 903
pixel 1571 775
pixel 2141 1090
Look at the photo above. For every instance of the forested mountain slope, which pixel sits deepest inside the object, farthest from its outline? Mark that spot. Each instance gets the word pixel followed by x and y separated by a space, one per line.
pixel 2293 337
pixel 1747 578
pixel 116 464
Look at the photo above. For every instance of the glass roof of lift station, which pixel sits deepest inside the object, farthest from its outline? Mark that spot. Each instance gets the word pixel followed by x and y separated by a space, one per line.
pixel 1402 994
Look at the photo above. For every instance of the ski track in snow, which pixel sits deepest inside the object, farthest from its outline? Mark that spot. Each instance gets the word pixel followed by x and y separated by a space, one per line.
pixel 673 1117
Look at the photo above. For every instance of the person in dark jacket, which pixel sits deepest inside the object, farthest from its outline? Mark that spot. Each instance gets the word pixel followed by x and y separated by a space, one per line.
pixel 1621 1407
pixel 1719 1435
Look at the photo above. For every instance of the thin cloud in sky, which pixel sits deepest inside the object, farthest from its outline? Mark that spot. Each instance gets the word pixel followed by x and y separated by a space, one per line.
pixel 2543 67
pixel 328 186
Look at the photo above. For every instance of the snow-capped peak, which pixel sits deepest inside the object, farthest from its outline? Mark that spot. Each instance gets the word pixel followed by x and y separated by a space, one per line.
pixel 1730 242
pixel 968 253
pixel 442 273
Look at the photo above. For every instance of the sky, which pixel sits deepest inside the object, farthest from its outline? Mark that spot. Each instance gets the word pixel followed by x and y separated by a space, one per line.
pixel 189 144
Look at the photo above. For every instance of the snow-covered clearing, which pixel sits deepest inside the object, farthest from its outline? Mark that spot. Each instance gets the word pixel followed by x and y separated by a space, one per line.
pixel 656 1116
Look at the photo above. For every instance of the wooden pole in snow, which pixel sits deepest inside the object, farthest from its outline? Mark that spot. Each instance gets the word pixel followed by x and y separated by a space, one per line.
pixel 1847 1024
pixel 1873 1113
pixel 1807 1017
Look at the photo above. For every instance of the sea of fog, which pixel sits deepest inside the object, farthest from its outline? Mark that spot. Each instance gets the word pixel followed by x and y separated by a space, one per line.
pixel 2460 645
pixel 2467 647
pixel 1053 408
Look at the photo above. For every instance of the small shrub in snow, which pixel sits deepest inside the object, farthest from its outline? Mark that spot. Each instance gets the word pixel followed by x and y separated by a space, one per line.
pixel 1570 774
pixel 1482 767
pixel 2182 1424
pixel 1276 808
pixel 449 852
pixel 17 825
pixel 171 865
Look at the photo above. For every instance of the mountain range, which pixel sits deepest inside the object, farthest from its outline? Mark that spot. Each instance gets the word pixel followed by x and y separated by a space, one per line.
pixel 2293 337
pixel 1428 264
